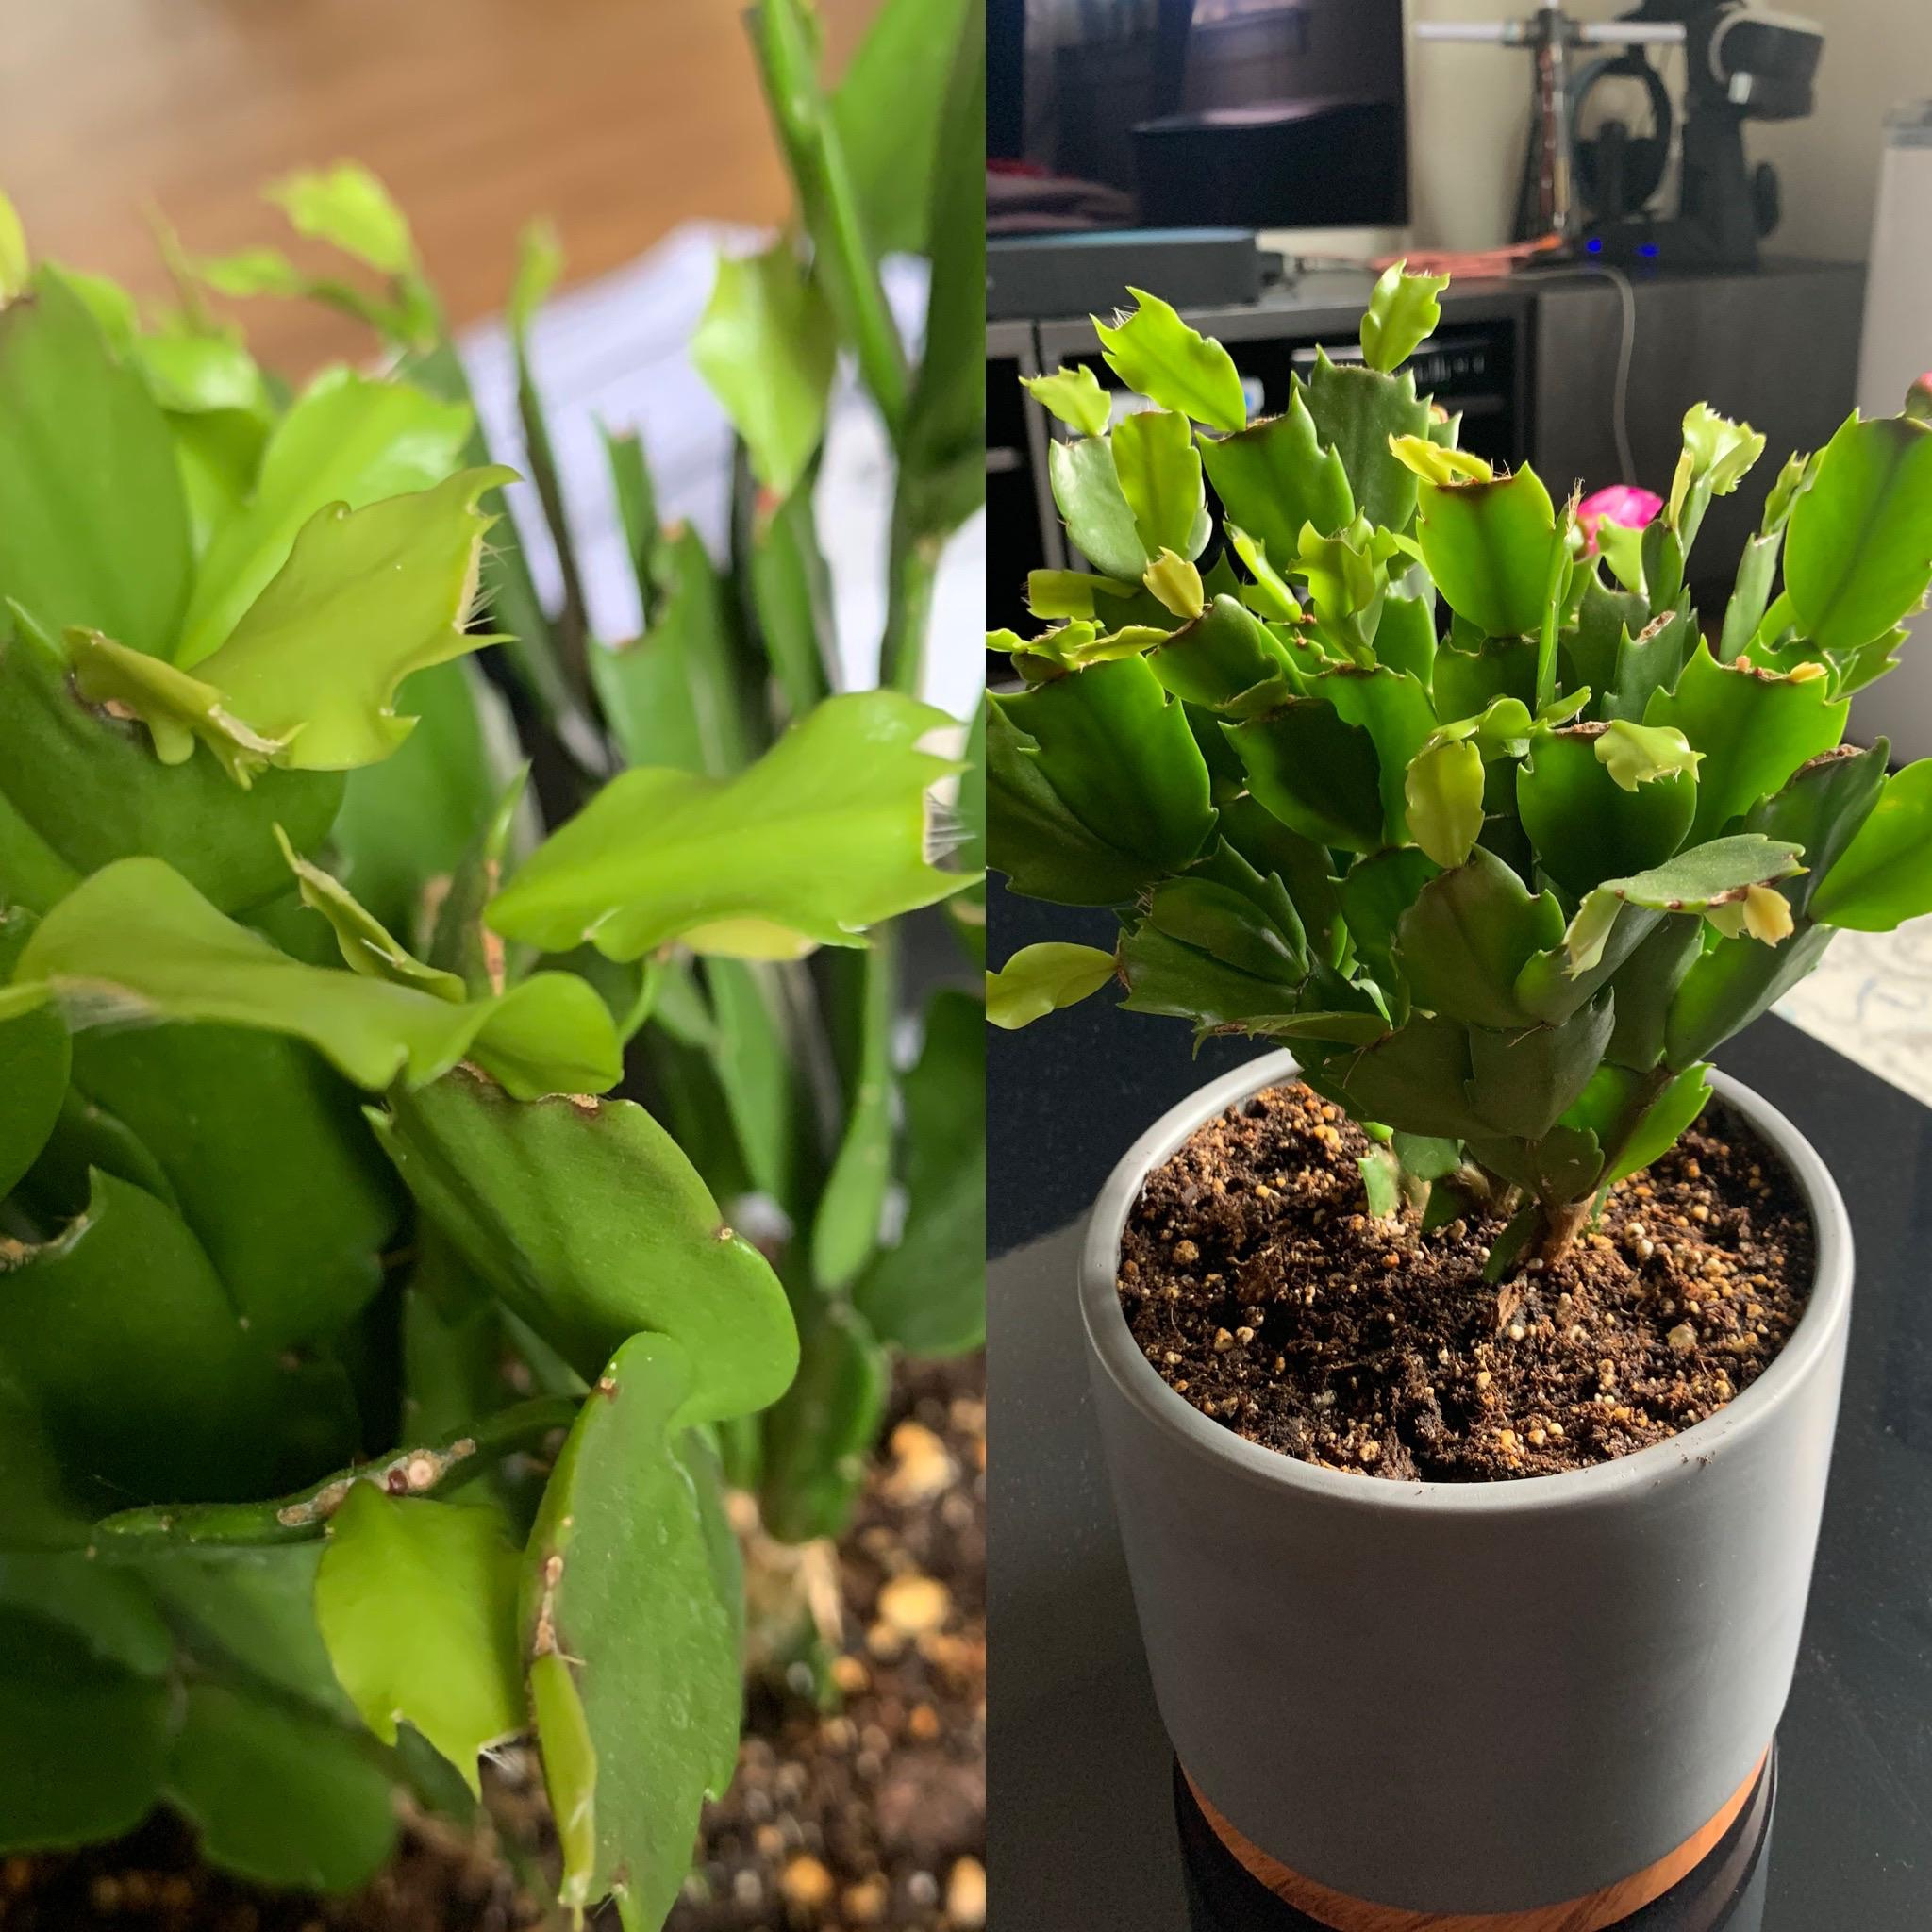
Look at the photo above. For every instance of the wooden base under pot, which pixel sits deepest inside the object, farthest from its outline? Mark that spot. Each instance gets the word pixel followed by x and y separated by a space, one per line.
pixel 1706 1885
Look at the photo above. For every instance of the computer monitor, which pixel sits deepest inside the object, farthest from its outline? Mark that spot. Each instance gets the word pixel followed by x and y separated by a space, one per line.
pixel 1255 113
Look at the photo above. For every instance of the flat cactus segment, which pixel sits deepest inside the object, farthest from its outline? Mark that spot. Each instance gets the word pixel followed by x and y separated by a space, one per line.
pixel 825 835
pixel 1153 352
pixel 633 1647
pixel 277 1794
pixel 206 1118
pixel 84 785
pixel 416 1601
pixel 1038 980
pixel 121 1334
pixel 591 1222
pixel 348 441
pixel 93 523
pixel 35 1058
pixel 1858 547
pixel 137 944
pixel 87 1741
pixel 366 597
pixel 1754 728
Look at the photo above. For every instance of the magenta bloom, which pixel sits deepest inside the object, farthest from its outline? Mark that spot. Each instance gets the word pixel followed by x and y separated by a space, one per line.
pixel 1617 502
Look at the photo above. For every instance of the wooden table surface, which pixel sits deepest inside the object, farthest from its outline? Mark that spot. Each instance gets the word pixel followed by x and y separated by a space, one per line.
pixel 619 118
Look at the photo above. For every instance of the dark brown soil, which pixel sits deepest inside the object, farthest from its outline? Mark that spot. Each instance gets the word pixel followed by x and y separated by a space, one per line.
pixel 871 1817
pixel 874 1816
pixel 154 1881
pixel 1257 1286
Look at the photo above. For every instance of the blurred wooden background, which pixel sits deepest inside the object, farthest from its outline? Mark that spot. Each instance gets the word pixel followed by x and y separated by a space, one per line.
pixel 619 118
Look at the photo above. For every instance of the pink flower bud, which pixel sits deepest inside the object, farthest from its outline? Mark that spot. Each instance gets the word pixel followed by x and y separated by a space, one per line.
pixel 1618 503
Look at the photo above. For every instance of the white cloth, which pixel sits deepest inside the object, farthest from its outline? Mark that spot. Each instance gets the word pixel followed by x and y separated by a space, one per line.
pixel 613 351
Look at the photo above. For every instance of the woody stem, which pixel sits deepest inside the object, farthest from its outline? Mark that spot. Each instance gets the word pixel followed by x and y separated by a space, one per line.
pixel 431 1470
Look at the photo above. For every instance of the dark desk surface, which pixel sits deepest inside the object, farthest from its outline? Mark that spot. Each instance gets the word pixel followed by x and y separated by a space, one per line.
pixel 1080 1822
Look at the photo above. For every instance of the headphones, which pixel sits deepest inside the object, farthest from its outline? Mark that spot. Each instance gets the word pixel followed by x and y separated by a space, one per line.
pixel 1613 160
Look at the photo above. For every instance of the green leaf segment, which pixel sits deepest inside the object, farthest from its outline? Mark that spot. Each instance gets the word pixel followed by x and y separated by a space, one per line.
pixel 826 835
pixel 138 945
pixel 242 648
pixel 651 1727
pixel 1502 849
pixel 416 1601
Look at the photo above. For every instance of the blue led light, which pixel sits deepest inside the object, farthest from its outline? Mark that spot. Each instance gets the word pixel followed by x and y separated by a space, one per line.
pixel 1647 248
pixel 1595 245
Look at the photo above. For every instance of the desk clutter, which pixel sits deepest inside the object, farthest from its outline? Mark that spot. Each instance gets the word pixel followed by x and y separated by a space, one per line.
pixel 1598 184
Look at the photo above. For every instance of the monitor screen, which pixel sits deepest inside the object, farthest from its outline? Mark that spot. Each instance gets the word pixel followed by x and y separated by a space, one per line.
pixel 1254 113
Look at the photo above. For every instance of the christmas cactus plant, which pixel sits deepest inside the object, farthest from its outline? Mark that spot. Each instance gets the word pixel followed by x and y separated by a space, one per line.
pixel 1400 763
pixel 372 1380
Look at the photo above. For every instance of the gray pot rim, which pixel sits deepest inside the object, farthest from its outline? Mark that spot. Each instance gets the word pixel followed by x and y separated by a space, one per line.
pixel 1231 1455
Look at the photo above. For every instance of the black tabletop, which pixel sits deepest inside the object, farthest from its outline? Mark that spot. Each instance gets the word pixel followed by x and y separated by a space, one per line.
pixel 1081 1825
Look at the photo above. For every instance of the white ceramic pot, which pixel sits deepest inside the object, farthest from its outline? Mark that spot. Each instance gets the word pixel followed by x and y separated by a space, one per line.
pixel 1474 1697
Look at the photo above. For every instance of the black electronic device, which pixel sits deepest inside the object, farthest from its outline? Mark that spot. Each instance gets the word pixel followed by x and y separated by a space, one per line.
pixel 1006 81
pixel 1739 66
pixel 1043 277
pixel 1320 161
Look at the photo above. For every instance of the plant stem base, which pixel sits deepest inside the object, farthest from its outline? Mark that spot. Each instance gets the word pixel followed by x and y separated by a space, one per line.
pixel 1233 1886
